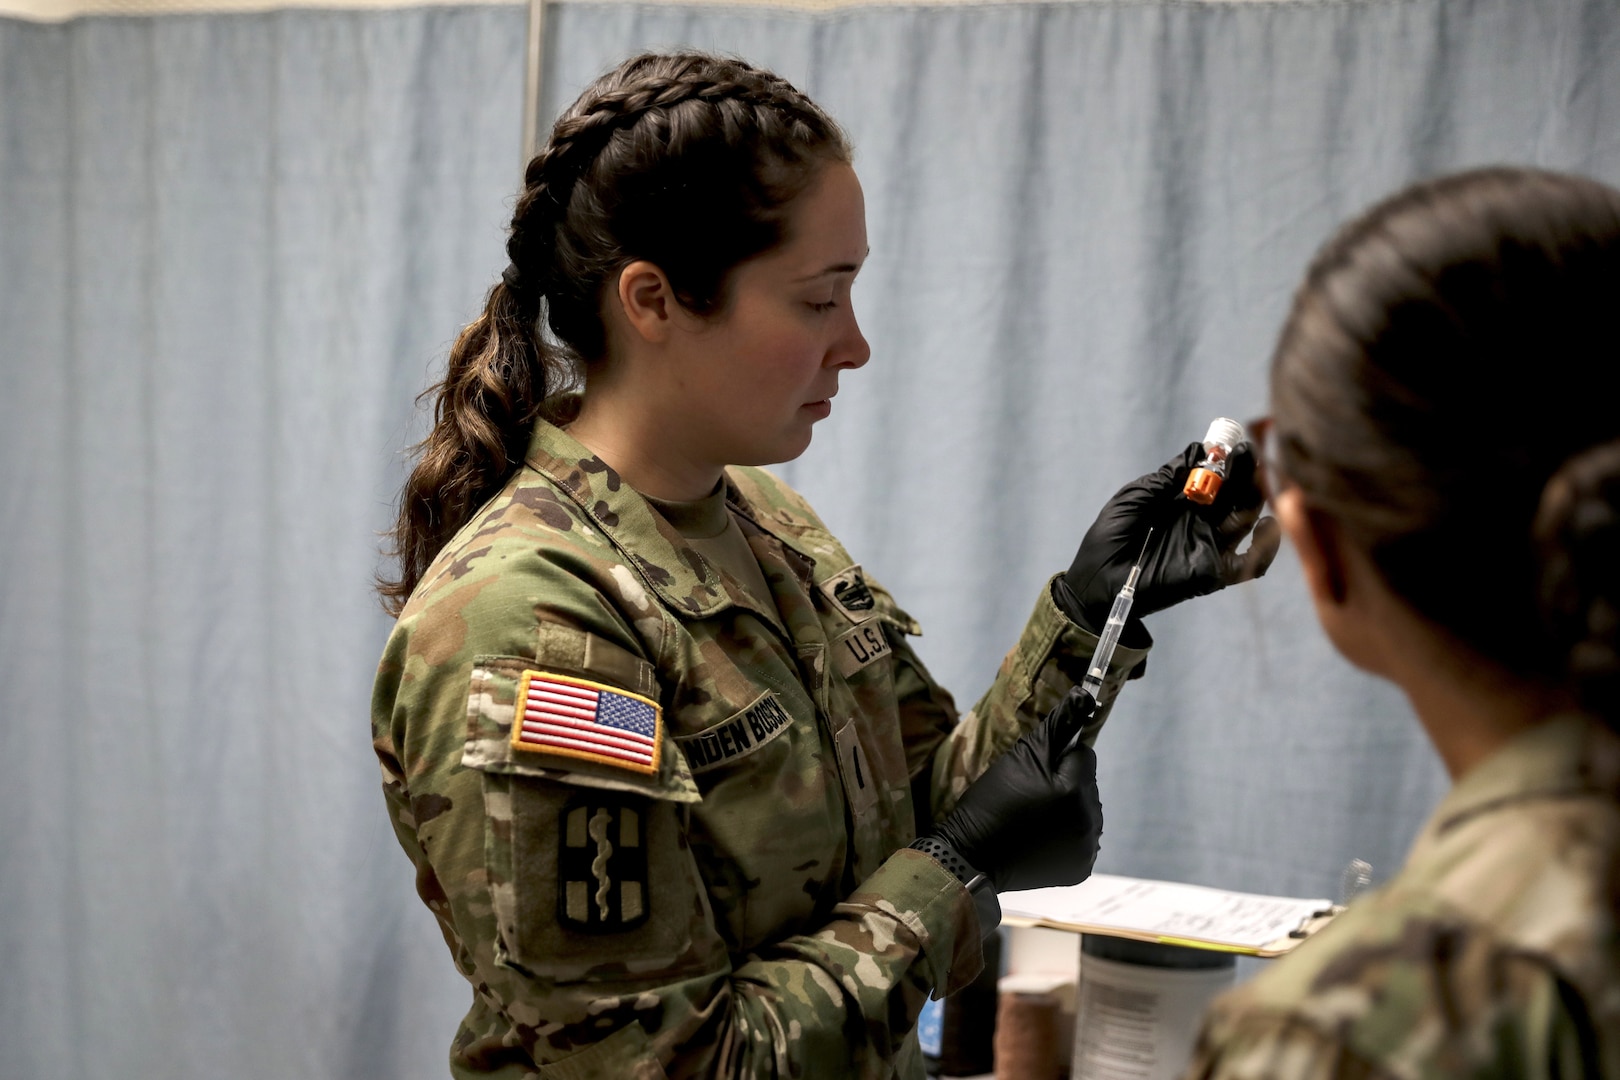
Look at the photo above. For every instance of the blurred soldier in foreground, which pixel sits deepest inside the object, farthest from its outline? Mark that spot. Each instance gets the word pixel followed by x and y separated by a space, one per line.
pixel 1444 453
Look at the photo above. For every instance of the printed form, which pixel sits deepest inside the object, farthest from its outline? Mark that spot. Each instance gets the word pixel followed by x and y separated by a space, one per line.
pixel 1166 911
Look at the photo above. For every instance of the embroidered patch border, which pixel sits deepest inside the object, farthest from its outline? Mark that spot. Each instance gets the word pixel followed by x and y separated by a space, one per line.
pixel 588 721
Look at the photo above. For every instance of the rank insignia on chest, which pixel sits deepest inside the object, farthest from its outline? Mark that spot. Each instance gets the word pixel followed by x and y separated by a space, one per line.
pixel 586 721
pixel 849 594
pixel 602 863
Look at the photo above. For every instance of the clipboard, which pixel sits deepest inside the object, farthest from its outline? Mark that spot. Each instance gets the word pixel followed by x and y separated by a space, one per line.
pixel 1170 913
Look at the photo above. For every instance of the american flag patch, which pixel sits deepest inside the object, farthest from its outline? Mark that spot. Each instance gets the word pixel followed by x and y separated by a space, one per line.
pixel 559 714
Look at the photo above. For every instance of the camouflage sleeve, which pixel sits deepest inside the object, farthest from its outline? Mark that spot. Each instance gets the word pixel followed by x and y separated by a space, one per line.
pixel 577 973
pixel 1274 1045
pixel 1538 1036
pixel 1048 660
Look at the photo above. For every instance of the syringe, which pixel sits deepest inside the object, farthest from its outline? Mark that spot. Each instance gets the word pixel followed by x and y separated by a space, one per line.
pixel 1115 626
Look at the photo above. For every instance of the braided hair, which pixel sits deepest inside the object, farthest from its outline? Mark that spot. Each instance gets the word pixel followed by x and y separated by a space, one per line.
pixel 684 159
pixel 1442 388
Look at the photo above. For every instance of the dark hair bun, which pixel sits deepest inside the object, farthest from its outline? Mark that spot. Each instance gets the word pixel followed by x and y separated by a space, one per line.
pixel 1577 531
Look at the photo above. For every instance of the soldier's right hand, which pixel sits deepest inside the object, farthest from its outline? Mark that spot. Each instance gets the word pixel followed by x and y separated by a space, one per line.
pixel 1034 818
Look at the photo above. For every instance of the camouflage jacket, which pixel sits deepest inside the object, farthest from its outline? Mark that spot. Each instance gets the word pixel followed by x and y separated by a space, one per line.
pixel 717 884
pixel 1495 951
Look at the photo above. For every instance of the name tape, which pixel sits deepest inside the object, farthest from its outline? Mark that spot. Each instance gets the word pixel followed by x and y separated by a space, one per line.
pixel 737 737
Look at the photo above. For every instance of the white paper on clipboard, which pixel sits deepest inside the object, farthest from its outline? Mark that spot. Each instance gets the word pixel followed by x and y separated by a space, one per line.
pixel 1168 911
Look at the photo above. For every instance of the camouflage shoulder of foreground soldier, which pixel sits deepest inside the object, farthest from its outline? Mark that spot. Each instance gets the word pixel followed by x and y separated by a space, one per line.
pixel 1493 952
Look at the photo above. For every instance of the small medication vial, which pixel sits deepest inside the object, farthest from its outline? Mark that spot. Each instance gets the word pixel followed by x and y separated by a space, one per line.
pixel 1205 481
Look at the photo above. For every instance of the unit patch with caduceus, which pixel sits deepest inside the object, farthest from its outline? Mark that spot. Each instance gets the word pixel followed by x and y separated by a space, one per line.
pixel 602 863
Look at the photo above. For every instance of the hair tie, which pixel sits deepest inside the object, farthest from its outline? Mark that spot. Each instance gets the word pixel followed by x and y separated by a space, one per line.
pixel 510 276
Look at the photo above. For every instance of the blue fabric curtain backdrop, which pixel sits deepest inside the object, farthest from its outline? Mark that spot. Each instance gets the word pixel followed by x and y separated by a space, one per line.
pixel 234 247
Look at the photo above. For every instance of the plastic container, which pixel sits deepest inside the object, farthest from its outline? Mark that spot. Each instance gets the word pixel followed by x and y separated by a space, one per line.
pixel 1140 1006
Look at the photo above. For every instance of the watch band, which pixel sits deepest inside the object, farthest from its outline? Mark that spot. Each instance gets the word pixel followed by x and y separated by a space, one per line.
pixel 978 885
pixel 946 856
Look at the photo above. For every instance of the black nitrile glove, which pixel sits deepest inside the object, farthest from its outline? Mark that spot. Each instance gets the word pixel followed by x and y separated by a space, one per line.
pixel 1194 550
pixel 1034 818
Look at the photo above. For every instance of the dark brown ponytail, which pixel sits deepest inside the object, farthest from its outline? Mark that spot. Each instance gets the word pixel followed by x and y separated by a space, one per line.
pixel 686 159
pixel 1578 533
pixel 1442 387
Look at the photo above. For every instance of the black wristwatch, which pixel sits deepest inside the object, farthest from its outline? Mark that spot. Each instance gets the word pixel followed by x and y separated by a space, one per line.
pixel 978 885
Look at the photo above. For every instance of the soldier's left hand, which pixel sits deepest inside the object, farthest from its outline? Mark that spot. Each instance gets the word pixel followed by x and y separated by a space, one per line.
pixel 1194 549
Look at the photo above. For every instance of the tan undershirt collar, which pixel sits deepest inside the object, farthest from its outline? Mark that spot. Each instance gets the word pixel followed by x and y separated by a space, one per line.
pixel 699 519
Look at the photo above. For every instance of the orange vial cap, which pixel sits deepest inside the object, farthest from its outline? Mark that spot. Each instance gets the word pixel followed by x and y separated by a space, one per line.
pixel 1202 486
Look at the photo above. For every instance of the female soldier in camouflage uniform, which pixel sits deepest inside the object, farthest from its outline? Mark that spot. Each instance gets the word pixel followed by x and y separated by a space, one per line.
pixel 655 743
pixel 1445 454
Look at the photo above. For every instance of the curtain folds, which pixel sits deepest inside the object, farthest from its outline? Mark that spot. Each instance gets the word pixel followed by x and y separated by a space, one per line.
pixel 234 247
